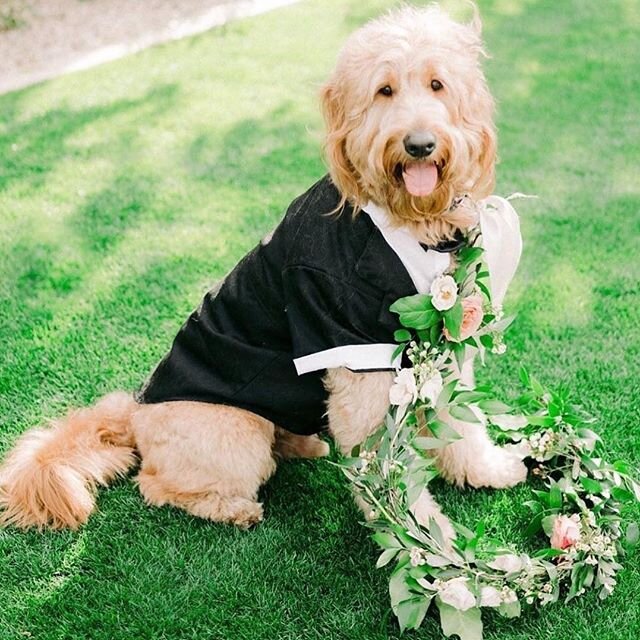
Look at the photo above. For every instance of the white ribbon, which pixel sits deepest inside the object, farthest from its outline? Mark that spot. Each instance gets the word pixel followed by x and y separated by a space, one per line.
pixel 502 242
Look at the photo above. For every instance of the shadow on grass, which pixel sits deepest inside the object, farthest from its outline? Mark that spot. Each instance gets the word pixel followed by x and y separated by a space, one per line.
pixel 33 147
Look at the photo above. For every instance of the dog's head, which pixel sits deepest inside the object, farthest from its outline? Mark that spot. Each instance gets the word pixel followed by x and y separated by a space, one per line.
pixel 410 119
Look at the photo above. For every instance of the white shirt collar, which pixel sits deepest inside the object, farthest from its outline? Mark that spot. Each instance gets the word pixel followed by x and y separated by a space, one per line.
pixel 422 266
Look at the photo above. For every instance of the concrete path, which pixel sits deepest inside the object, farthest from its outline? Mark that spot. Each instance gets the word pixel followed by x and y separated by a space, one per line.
pixel 61 36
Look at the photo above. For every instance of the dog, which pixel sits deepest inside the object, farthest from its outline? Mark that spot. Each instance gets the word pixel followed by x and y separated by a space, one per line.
pixel 299 336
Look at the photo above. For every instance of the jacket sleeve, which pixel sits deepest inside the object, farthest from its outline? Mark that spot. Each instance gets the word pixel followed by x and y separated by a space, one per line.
pixel 333 324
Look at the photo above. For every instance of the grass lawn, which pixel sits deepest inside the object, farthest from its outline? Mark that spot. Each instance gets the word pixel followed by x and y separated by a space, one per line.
pixel 128 190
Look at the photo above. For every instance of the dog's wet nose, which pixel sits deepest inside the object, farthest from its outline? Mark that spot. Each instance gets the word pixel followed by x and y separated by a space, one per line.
pixel 420 145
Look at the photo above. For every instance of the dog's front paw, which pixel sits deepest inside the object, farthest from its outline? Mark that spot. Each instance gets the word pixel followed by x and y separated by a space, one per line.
pixel 499 468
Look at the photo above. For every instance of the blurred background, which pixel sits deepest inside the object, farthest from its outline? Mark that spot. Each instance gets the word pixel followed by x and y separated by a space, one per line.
pixel 128 188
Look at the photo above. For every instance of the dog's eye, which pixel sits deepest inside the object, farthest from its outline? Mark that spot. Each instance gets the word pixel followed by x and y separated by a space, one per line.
pixel 386 90
pixel 436 85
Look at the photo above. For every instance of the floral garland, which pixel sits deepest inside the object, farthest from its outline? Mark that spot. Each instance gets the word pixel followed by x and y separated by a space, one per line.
pixel 577 503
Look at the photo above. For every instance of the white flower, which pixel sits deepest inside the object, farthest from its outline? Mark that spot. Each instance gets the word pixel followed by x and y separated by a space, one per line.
pixel 506 562
pixel 366 457
pixel 444 293
pixel 432 387
pixel 508 595
pixel 490 597
pixel 455 592
pixel 404 388
pixel 417 557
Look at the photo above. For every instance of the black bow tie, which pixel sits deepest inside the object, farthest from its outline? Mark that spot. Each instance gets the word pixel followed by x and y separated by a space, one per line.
pixel 447 246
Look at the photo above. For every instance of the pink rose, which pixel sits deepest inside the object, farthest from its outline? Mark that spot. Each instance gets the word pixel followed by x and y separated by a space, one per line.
pixel 566 532
pixel 471 318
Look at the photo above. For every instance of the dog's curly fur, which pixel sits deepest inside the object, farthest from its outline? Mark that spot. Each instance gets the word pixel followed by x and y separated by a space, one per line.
pixel 210 459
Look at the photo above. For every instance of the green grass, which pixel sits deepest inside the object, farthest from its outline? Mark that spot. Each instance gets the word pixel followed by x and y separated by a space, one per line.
pixel 127 190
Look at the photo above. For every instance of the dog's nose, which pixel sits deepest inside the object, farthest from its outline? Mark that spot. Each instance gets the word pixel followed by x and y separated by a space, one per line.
pixel 420 145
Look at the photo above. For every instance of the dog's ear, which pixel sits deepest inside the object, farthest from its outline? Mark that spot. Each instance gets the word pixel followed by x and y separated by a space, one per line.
pixel 342 172
pixel 479 120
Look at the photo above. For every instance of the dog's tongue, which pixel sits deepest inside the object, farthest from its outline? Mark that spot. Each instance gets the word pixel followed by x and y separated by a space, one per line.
pixel 420 178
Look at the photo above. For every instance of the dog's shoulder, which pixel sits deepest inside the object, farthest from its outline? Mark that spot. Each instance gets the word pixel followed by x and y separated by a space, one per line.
pixel 318 232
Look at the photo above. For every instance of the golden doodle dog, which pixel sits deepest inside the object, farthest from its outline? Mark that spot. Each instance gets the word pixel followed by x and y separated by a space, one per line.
pixel 298 338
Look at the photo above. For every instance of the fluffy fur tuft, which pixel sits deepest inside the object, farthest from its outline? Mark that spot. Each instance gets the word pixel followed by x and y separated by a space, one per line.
pixel 50 477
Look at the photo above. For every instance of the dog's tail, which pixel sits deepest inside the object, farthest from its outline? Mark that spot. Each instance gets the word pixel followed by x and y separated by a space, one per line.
pixel 50 477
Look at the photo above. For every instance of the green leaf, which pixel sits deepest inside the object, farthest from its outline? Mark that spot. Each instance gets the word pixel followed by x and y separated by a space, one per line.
pixel 436 532
pixel 430 443
pixel 453 320
pixel 466 624
pixel 633 534
pixel 534 526
pixel 445 394
pixel 386 557
pixel 536 387
pixel 621 494
pixel 421 319
pixel 386 540
pixel 435 333
pixel 398 588
pixel 469 396
pixel 547 524
pixel 462 412
pixel 591 485
pixel 411 613
pixel 548 553
pixel 398 350
pixel 402 335
pixel 540 421
pixel 492 406
pixel 434 560
pixel 418 302
pixel 524 376
pixel 468 255
pixel 443 431
pixel 555 497
pixel 510 609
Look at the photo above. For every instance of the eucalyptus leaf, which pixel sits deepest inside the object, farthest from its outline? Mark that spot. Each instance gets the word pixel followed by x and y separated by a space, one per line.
pixel 386 540
pixel 466 624
pixel 464 413
pixel 510 609
pixel 399 589
pixel 492 406
pixel 445 394
pixel 443 431
pixel 426 443
pixel 386 557
pixel 411 613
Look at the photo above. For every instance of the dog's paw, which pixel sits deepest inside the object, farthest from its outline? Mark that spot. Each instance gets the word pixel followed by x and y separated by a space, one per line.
pixel 248 515
pixel 499 468
pixel 291 445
